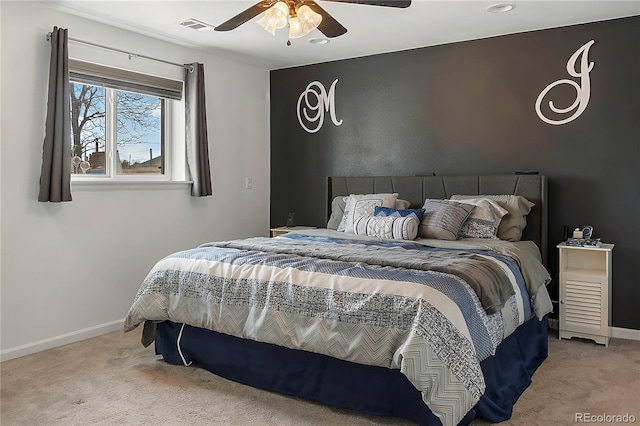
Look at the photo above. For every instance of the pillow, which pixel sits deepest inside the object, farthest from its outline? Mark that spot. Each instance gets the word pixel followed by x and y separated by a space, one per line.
pixel 337 211
pixel 483 222
pixel 395 227
pixel 386 211
pixel 443 218
pixel 513 223
pixel 360 205
pixel 402 204
pixel 338 205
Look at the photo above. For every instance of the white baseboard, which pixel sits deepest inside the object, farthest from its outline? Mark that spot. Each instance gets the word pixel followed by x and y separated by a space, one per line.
pixel 64 339
pixel 87 333
pixel 625 333
pixel 616 332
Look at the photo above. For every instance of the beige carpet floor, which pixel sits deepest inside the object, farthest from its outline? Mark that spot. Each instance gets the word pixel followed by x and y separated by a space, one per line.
pixel 113 380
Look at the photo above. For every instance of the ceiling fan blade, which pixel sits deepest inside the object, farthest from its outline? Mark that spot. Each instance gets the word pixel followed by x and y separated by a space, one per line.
pixel 245 15
pixel 387 3
pixel 329 26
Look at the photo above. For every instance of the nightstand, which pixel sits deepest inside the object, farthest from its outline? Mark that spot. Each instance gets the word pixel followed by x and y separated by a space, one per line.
pixel 284 230
pixel 585 292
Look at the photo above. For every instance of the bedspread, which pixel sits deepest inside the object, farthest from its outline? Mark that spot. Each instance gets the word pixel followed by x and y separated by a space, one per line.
pixel 388 304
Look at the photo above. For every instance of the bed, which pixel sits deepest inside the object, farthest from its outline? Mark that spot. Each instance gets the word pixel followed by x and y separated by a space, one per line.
pixel 436 329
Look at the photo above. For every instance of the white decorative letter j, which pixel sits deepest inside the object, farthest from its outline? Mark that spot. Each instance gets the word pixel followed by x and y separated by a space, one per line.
pixel 583 91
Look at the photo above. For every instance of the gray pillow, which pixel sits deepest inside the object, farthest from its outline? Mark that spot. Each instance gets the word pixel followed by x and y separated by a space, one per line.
pixel 337 211
pixel 485 219
pixel 513 223
pixel 443 218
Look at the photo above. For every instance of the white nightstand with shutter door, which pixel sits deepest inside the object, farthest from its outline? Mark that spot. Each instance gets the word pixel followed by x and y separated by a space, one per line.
pixel 585 292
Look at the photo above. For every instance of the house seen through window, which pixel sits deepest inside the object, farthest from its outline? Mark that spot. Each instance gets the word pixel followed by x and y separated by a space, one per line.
pixel 116 132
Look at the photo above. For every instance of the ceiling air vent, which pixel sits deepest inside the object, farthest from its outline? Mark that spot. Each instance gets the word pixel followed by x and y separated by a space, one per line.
pixel 195 24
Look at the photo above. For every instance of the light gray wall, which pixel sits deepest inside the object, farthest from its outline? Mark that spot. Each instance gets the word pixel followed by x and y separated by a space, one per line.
pixel 70 271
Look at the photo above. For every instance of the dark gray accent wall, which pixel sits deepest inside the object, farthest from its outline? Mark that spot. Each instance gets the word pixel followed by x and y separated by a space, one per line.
pixel 468 108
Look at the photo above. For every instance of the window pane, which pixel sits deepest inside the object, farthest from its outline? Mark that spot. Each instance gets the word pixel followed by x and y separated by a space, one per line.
pixel 87 129
pixel 140 145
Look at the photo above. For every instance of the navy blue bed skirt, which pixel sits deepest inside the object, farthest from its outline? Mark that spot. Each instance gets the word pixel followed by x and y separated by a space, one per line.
pixel 369 389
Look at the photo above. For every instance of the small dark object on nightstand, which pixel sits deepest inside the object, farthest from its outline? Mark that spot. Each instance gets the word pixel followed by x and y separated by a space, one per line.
pixel 290 222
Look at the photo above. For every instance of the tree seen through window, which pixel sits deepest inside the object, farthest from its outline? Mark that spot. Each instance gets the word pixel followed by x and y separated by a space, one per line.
pixel 107 122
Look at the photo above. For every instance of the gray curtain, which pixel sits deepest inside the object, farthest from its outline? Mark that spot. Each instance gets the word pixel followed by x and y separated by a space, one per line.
pixel 196 130
pixel 55 175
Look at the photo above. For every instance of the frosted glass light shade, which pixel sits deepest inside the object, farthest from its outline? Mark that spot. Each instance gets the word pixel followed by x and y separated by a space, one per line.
pixel 309 19
pixel 275 17
pixel 269 26
pixel 280 11
pixel 295 28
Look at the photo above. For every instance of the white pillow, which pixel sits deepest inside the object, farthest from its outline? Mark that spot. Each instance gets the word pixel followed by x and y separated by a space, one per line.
pixel 339 203
pixel 484 220
pixel 359 205
pixel 394 227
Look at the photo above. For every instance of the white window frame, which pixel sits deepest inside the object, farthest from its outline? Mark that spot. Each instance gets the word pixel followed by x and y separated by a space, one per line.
pixel 176 172
pixel 111 144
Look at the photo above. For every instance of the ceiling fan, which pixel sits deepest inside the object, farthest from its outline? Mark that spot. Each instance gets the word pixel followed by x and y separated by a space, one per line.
pixel 302 16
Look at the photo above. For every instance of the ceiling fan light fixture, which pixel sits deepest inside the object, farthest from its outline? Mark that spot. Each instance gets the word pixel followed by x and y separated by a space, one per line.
pixel 295 28
pixel 312 16
pixel 269 27
pixel 303 22
pixel 310 19
pixel 274 18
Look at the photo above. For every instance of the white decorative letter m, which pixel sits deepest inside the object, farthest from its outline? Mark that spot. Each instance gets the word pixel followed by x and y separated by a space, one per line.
pixel 317 101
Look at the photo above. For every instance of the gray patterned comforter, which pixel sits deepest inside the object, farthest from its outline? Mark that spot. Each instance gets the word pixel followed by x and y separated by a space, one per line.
pixel 399 305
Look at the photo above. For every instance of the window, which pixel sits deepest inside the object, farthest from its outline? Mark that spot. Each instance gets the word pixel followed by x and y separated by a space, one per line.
pixel 114 132
pixel 120 125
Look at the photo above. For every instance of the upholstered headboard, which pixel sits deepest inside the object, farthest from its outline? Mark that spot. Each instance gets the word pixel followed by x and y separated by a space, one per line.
pixel 417 188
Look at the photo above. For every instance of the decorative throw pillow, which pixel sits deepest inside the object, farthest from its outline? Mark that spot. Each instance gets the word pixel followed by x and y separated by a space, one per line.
pixel 513 223
pixel 337 211
pixel 443 218
pixel 386 211
pixel 394 227
pixel 338 205
pixel 483 222
pixel 402 204
pixel 360 205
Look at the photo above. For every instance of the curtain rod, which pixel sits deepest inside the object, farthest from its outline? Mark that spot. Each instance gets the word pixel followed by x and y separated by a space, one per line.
pixel 131 55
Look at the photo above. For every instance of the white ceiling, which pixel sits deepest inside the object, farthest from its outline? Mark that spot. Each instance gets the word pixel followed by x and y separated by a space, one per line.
pixel 371 29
